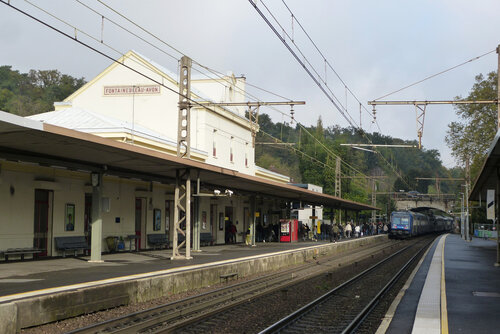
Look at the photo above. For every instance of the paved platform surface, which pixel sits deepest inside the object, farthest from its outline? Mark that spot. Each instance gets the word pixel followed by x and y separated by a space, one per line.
pixel 33 275
pixel 472 289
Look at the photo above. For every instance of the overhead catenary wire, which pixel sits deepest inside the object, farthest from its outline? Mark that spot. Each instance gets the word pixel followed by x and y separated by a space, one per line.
pixel 213 71
pixel 435 75
pixel 307 132
pixel 330 66
pixel 347 116
pixel 96 39
pixel 119 52
pixel 316 81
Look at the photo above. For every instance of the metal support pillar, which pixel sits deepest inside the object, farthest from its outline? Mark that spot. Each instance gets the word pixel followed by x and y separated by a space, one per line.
pixel 497 221
pixel 498 89
pixel 184 119
pixel 374 200
pixel 462 217
pixel 96 236
pixel 196 220
pixel 182 214
pixel 467 234
pixel 338 179
pixel 252 222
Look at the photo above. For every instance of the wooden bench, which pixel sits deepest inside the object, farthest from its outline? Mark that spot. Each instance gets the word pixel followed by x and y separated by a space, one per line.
pixel 19 251
pixel 157 240
pixel 73 243
pixel 228 276
pixel 206 239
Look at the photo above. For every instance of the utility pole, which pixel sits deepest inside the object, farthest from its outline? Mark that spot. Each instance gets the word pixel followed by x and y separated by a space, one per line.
pixel 182 192
pixel 184 119
pixel 462 217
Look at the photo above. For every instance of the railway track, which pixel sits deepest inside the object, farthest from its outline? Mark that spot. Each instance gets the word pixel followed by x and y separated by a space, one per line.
pixel 344 308
pixel 176 315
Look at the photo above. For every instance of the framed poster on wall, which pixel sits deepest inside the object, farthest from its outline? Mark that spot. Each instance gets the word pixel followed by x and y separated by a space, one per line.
pixel 221 221
pixel 69 217
pixel 157 220
pixel 204 220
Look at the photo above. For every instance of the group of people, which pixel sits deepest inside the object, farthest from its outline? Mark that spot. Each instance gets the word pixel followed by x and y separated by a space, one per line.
pixel 231 231
pixel 337 231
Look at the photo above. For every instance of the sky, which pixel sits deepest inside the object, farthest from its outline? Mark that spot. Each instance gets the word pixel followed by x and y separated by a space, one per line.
pixel 376 47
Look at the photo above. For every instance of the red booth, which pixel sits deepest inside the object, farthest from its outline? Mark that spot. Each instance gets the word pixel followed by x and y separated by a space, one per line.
pixel 289 230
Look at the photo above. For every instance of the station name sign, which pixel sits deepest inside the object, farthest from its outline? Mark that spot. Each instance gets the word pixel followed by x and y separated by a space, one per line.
pixel 129 90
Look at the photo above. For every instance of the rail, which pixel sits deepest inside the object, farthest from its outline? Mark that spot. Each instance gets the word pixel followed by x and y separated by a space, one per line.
pixel 290 320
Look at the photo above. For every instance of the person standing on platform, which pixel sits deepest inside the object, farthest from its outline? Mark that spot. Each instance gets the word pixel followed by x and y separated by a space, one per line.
pixel 348 230
pixel 247 237
pixel 232 229
pixel 336 232
pixel 318 230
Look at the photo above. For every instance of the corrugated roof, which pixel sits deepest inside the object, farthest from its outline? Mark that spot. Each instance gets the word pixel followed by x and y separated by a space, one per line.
pixel 90 122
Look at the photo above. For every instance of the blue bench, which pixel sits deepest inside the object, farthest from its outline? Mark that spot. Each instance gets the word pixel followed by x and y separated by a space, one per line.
pixel 157 240
pixel 19 251
pixel 206 239
pixel 74 243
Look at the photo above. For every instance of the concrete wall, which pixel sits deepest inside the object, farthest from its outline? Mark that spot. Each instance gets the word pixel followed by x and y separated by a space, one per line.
pixel 56 306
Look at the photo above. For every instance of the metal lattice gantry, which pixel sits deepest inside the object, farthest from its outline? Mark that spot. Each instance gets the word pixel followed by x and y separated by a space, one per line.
pixel 420 107
pixel 182 215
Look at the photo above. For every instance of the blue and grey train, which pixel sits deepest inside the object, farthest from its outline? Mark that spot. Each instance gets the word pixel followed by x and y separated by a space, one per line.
pixel 406 224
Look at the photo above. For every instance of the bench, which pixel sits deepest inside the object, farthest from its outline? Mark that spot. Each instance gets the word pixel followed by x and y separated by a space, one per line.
pixel 157 240
pixel 74 243
pixel 206 239
pixel 228 276
pixel 19 251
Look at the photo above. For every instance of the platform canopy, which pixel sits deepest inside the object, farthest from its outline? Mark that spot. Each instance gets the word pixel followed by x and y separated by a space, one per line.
pixel 28 140
pixel 489 175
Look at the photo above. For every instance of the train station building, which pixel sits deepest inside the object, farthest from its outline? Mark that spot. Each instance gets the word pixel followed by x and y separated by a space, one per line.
pixel 103 167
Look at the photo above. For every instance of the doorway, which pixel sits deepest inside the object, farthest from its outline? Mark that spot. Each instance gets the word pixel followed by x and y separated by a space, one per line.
pixel 228 217
pixel 140 221
pixel 42 227
pixel 213 221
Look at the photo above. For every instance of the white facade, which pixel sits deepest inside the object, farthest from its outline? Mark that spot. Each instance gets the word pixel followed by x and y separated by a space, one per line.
pixel 220 136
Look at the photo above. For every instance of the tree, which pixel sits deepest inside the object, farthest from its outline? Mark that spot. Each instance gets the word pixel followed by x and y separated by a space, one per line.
pixel 470 137
pixel 34 92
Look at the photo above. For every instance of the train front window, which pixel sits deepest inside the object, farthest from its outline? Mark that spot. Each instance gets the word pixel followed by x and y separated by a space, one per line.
pixel 400 222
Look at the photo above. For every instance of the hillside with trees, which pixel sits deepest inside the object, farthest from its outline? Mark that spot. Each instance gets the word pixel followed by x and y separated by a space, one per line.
pixel 34 92
pixel 310 157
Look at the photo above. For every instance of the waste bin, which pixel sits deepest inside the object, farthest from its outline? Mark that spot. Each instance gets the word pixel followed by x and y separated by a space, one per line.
pixel 111 243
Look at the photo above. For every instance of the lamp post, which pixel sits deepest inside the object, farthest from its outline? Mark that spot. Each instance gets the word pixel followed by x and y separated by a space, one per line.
pixel 462 217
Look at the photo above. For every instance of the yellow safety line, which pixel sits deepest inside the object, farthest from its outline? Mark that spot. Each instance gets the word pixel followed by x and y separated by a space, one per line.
pixel 444 310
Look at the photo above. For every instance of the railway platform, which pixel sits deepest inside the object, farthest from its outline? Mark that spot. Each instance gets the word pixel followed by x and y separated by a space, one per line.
pixel 466 299
pixel 42 291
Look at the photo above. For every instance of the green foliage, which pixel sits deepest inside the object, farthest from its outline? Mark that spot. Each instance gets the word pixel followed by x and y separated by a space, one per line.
pixel 313 158
pixel 34 92
pixel 470 137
